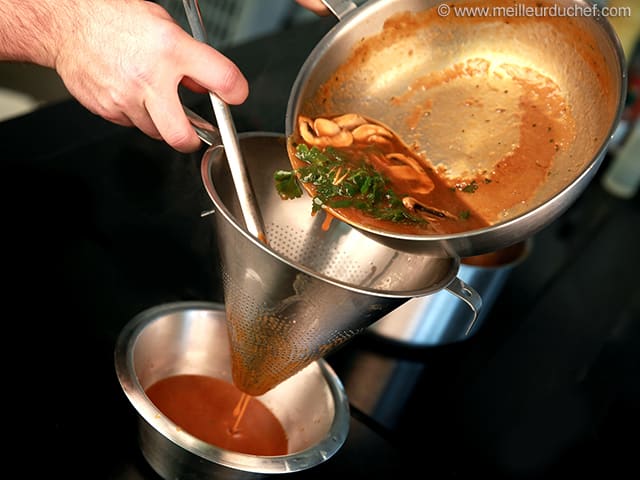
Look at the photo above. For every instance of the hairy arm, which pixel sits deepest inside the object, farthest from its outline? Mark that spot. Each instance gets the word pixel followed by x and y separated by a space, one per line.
pixel 122 59
pixel 29 32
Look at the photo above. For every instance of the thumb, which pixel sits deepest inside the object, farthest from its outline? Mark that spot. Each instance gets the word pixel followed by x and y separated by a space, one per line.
pixel 216 73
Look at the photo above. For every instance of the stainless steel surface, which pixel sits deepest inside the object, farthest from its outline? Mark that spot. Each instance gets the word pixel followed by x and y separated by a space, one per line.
pixel 250 208
pixel 436 320
pixel 191 338
pixel 309 291
pixel 339 8
pixel 589 70
pixel 465 292
pixel 206 132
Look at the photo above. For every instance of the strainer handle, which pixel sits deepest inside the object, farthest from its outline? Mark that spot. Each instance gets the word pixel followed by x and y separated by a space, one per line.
pixel 205 130
pixel 468 295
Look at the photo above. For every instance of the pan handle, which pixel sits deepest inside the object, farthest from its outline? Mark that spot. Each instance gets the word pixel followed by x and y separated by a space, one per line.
pixel 339 7
pixel 206 132
pixel 468 295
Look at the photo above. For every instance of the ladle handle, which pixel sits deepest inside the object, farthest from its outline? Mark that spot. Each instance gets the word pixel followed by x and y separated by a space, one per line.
pixel 468 295
pixel 239 174
pixel 339 7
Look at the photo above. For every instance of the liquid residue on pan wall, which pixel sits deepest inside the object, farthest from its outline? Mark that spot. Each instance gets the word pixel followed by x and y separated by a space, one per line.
pixel 496 106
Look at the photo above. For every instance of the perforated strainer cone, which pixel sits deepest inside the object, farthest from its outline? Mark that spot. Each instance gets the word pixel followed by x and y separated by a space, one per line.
pixel 308 291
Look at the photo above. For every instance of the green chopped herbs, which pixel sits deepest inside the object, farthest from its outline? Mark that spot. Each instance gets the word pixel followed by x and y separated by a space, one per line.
pixel 287 184
pixel 471 188
pixel 341 181
pixel 337 185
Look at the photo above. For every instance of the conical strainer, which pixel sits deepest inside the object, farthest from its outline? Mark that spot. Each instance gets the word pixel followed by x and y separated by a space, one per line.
pixel 309 290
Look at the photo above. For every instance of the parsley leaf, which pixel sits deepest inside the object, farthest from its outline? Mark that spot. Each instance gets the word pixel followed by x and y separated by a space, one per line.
pixel 287 184
pixel 342 181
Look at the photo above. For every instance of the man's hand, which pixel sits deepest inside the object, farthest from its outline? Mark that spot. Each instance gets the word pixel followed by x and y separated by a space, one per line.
pixel 123 60
pixel 315 6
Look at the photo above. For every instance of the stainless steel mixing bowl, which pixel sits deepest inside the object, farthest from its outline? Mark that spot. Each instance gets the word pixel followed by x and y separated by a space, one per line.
pixel 191 338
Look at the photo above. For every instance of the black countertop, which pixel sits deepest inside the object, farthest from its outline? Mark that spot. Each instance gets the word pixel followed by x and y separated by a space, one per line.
pixel 101 222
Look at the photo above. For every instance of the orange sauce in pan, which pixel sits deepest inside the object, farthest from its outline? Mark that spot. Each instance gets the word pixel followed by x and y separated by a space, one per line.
pixel 442 197
pixel 541 123
pixel 218 413
pixel 546 127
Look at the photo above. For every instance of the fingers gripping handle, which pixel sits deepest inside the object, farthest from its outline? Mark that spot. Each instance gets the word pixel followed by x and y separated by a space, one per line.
pixel 206 132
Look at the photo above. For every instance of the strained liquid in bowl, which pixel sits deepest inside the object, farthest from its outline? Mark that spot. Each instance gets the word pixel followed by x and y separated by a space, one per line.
pixel 216 412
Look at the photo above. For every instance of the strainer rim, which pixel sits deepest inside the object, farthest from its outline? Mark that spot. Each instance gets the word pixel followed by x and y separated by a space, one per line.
pixel 223 210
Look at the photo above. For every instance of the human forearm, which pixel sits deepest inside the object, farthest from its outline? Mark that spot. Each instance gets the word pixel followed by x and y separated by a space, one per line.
pixel 122 59
pixel 31 30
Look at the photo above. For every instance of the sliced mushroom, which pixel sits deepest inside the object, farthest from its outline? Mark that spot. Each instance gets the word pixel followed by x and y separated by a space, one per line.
pixel 307 127
pixel 379 140
pixel 412 162
pixel 363 132
pixel 342 139
pixel 325 127
pixel 349 121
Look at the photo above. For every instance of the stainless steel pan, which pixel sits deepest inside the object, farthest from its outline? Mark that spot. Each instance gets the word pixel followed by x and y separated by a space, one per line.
pixel 361 67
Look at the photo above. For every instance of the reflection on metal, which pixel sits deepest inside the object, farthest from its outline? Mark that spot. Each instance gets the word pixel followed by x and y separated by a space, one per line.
pixel 439 318
pixel 380 386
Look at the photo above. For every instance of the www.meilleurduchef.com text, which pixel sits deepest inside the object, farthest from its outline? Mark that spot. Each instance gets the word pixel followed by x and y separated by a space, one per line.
pixel 522 10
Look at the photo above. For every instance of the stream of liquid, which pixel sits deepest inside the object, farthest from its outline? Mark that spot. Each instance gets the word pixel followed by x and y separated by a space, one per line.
pixel 239 411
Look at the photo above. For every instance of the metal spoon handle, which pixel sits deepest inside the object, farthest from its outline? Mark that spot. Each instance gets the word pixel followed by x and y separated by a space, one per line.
pixel 242 183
